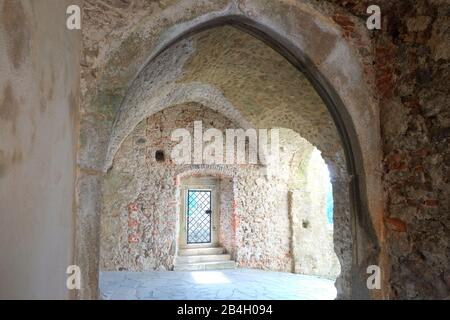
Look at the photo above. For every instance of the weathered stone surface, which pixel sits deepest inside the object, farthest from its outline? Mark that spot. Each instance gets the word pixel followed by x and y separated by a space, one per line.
pixel 312 234
pixel 412 76
pixel 417 167
pixel 198 69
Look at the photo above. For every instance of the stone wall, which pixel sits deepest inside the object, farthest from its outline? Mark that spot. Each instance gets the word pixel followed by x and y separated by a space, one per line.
pixel 411 62
pixel 228 217
pixel 264 235
pixel 141 206
pixel 313 241
pixel 146 212
pixel 416 129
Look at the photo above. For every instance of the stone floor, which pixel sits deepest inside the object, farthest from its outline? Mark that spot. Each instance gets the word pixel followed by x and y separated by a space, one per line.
pixel 236 284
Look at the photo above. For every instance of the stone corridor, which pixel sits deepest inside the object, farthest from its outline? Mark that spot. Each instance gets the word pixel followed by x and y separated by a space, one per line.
pixel 296 137
pixel 238 284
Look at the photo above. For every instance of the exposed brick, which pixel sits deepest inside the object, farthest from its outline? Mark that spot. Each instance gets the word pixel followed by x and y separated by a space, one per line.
pixel 395 224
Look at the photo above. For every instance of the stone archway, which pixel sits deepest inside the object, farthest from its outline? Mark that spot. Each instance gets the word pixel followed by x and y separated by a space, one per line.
pixel 335 71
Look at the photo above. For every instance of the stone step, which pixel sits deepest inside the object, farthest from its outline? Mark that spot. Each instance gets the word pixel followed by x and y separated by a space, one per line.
pixel 200 251
pixel 220 265
pixel 203 258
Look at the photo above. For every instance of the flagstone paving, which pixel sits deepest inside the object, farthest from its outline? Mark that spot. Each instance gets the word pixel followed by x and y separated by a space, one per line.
pixel 236 284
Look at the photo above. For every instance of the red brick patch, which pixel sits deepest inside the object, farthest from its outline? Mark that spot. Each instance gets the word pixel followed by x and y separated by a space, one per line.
pixel 396 162
pixel 133 223
pixel 343 21
pixel 432 203
pixel 133 207
pixel 395 224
